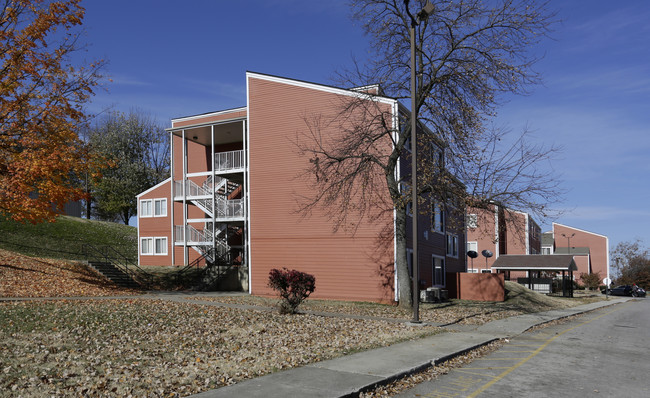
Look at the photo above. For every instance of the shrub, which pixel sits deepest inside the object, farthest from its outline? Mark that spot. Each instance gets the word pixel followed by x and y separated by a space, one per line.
pixel 591 281
pixel 293 286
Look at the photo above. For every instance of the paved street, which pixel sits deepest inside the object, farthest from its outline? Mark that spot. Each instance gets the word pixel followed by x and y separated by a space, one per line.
pixel 601 353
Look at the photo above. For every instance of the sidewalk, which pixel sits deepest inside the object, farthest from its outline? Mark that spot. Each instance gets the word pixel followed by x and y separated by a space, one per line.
pixel 351 374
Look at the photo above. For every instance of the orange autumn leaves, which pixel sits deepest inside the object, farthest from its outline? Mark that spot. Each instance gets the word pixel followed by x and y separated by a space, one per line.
pixel 41 108
pixel 23 276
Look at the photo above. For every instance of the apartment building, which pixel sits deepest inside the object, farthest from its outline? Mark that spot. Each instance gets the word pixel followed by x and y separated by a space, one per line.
pixel 233 200
pixel 500 231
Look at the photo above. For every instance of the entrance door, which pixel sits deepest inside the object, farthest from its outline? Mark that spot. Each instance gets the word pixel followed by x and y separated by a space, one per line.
pixel 438 264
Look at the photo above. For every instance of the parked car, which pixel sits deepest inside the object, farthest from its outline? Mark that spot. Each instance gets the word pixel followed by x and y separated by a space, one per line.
pixel 627 290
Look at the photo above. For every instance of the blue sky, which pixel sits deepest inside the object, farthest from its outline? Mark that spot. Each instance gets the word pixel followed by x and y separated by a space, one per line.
pixel 174 60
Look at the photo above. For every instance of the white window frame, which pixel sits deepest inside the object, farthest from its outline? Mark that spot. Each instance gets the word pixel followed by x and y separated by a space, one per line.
pixel 472 271
pixel 141 212
pixel 472 221
pixel 164 246
pixel 163 207
pixel 472 245
pixel 149 245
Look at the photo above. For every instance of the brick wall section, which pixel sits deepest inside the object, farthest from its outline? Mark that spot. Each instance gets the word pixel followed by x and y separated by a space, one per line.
pixel 156 226
pixel 597 244
pixel 478 287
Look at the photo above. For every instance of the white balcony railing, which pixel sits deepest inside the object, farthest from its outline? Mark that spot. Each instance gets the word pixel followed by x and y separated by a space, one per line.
pixel 230 208
pixel 191 189
pixel 193 234
pixel 233 160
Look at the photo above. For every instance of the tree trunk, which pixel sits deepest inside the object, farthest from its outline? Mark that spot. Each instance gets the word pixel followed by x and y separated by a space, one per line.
pixel 404 285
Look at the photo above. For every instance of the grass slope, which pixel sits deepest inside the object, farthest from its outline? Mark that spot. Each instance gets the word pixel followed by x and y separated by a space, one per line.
pixel 65 238
pixel 24 276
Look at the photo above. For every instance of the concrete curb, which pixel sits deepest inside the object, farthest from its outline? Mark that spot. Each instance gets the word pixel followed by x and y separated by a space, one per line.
pixel 351 375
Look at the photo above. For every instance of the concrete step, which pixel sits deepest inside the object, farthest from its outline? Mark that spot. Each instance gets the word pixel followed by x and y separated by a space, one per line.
pixel 114 274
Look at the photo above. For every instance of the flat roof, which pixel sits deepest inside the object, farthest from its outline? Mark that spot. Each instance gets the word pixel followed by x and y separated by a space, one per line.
pixel 536 262
pixel 575 251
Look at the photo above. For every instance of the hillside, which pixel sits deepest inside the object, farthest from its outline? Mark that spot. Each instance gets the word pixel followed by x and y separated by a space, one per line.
pixel 39 260
pixel 23 276
pixel 65 238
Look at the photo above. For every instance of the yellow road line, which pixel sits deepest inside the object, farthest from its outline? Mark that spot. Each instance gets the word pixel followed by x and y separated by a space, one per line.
pixel 487 367
pixel 537 351
pixel 478 373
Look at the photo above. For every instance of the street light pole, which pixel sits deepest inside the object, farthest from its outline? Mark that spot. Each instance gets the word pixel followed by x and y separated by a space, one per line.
pixel 568 241
pixel 414 184
pixel 424 13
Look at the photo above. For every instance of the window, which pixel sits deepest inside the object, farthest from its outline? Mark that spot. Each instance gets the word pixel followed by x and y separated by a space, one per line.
pixel 472 246
pixel 160 246
pixel 546 250
pixel 145 208
pixel 472 221
pixel 452 245
pixel 472 271
pixel 153 208
pixel 486 271
pixel 153 246
pixel 160 207
pixel 437 218
pixel 146 246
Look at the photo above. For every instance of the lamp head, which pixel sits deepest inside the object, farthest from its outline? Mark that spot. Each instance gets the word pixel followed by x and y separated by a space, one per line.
pixel 426 11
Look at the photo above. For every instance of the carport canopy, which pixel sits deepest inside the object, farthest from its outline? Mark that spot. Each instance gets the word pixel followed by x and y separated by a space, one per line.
pixel 537 263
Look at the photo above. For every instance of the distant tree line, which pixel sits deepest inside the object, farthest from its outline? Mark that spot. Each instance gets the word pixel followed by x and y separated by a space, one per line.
pixel 134 153
pixel 631 262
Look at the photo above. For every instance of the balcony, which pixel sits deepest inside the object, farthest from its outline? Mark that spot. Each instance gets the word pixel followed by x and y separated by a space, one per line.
pixel 232 161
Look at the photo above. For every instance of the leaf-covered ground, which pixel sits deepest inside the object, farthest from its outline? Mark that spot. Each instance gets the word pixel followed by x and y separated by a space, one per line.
pixel 520 301
pixel 23 276
pixel 156 348
pixel 142 347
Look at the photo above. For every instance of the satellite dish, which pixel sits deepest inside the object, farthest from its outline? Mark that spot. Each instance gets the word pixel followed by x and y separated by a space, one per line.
pixel 486 253
pixel 472 254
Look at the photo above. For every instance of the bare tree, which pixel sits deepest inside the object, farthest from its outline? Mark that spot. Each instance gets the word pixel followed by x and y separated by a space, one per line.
pixel 632 263
pixel 468 53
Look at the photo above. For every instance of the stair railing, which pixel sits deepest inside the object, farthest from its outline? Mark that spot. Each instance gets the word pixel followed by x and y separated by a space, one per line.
pixel 109 254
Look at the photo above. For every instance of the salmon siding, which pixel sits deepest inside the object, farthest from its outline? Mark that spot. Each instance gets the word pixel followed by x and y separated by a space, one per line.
pixel 238 177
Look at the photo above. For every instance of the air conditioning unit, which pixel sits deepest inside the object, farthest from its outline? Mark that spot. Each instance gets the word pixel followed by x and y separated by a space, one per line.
pixel 433 295
pixel 427 296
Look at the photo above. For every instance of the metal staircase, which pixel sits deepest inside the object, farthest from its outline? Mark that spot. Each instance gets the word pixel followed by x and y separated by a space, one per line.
pixel 213 198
